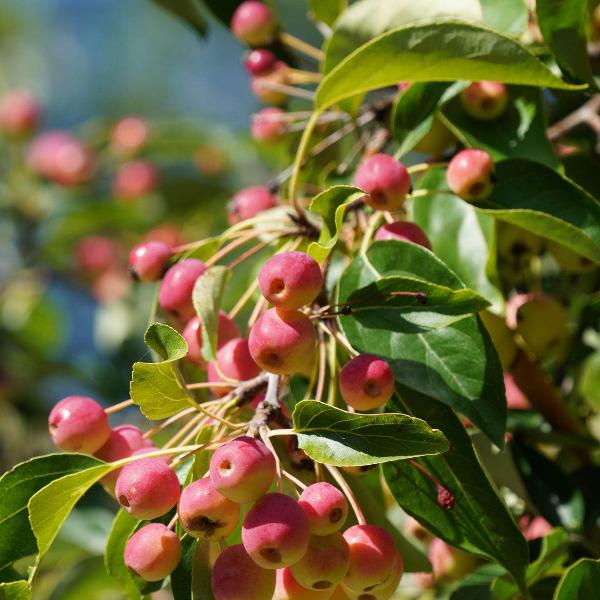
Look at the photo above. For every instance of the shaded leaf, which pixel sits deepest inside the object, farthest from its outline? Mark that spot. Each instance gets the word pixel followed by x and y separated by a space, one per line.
pixel 580 581
pixel 201 570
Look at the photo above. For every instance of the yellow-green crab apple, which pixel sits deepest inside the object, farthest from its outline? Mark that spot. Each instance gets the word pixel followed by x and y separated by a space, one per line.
pixel 569 261
pixel 129 135
pixel 233 362
pixel 147 260
pixel 175 296
pixel 287 588
pixel 485 100
pixel 405 231
pixel 325 506
pixel 470 174
pixel 192 333
pixel 385 180
pixel 250 201
pixel 366 382
pixel 253 23
pixel 382 592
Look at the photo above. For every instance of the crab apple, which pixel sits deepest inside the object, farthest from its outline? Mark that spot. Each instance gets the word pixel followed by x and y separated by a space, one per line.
pixel 78 424
pixel 283 342
pixel 153 552
pixel 414 528
pixel 253 23
pixel 135 179
pixel 259 61
pixel 569 261
pixel 539 318
pixel 385 180
pixel 373 557
pixel 233 362
pixel 243 469
pixel 448 562
pixel 129 135
pixel 95 254
pixel 175 295
pixel 264 85
pixel 366 382
pixel 288 588
pixel 192 333
pixel 147 260
pixel 206 514
pixel 470 174
pixel 325 562
pixel 405 231
pixel 437 140
pixel 20 113
pixel 61 158
pixel 485 100
pixel 147 488
pixel 275 532
pixel 516 246
pixel 515 398
pixel 534 527
pixel 325 506
pixel 268 126
pixel 383 591
pixel 250 201
pixel 289 280
pixel 235 576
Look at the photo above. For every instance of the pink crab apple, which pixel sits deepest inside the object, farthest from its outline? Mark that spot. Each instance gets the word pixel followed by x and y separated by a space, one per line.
pixel 534 527
pixel 470 174
pixel 275 532
pixel 259 61
pixel 250 201
pixel 385 180
pixel 253 23
pixel 264 85
pixel 515 398
pixel 153 552
pixel 485 100
pixel 405 231
pixel 61 158
pixel 147 488
pixel 147 261
pixel 325 506
pixel 448 562
pixel 135 179
pixel 95 254
pixel 287 588
pixel 366 382
pixel 192 333
pixel 290 280
pixel 20 113
pixel 129 135
pixel 381 592
pixel 206 514
pixel 175 295
pixel 268 126
pixel 78 424
pixel 233 362
pixel 283 342
pixel 325 562
pixel 242 469
pixel 235 576
pixel 373 558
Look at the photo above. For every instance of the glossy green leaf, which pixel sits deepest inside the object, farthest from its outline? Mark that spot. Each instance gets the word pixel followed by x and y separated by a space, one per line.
pixel 540 200
pixel 327 11
pixel 476 585
pixel 336 437
pixel 207 297
pixel 187 11
pixel 581 581
pixel 519 133
pixel 157 388
pixel 438 51
pixel 367 19
pixel 460 235
pixel 16 488
pixel 507 16
pixel 15 590
pixel 479 522
pixel 469 380
pixel 331 205
pixel 563 26
pixel 50 506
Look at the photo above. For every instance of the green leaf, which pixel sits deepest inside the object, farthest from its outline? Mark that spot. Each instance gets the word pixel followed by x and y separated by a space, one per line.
pixel 508 16
pixel 207 297
pixel 414 111
pixel 201 570
pixel 580 581
pixel 15 590
pixel 333 436
pixel 16 488
pixel 589 380
pixel 445 219
pixel 469 380
pixel 157 388
pixel 367 19
pixel 327 11
pixel 50 506
pixel 186 10
pixel 519 133
pixel 331 205
pixel 479 522
pixel 181 578
pixel 563 26
pixel 540 200
pixel 438 51
pixel 202 458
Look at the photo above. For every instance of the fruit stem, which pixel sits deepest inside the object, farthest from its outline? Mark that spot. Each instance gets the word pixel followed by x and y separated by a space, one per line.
pixel 263 431
pixel 300 45
pixel 301 77
pixel 360 517
pixel 425 166
pixel 301 485
pixel 173 521
pixel 290 90
pixel 181 433
pixel 117 407
pixel 169 421
pixel 322 367
pixel 445 498
pixel 339 338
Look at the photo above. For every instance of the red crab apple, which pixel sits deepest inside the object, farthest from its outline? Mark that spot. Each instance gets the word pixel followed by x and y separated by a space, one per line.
pixel 366 382
pixel 20 113
pixel 470 175
pixel 233 362
pixel 175 295
pixel 153 552
pixel 259 61
pixel 129 135
pixel 242 469
pixel 78 424
pixel 253 23
pixel 147 261
pixel 266 85
pixel 385 180
pixel 405 231
pixel 235 576
pixel 135 179
pixel 485 100
pixel 325 506
pixel 382 592
pixel 448 562
pixel 95 254
pixel 192 332
pixel 267 125
pixel 250 201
